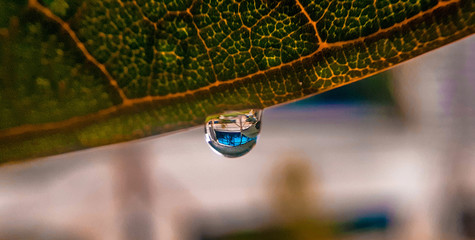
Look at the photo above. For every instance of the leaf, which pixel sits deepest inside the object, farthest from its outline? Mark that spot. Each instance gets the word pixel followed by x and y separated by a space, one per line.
pixel 76 74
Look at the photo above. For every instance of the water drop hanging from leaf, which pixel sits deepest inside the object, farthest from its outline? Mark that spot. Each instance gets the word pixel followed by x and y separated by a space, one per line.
pixel 113 71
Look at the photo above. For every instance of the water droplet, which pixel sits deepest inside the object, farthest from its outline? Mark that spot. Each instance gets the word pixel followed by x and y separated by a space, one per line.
pixel 233 134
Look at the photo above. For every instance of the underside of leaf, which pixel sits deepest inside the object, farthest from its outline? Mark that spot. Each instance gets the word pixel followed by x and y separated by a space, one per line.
pixel 76 74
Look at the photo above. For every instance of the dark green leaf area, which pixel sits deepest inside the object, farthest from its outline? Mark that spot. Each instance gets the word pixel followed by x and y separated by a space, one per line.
pixel 253 36
pixel 182 61
pixel 64 8
pixel 347 20
pixel 154 10
pixel 43 79
pixel 154 48
pixel 145 55
pixel 9 9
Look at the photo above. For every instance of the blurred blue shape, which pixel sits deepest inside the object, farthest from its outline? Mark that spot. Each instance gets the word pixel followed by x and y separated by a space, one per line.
pixel 367 222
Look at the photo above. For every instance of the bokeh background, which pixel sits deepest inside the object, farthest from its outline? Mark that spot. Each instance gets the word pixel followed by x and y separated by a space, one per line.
pixel 389 157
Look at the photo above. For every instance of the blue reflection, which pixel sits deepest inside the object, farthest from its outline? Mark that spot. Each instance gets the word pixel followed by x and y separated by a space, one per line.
pixel 232 138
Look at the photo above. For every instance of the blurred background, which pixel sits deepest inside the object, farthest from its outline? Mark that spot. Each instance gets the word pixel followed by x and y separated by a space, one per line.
pixel 389 157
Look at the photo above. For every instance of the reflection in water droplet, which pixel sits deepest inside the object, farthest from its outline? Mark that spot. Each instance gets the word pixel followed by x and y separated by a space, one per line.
pixel 233 134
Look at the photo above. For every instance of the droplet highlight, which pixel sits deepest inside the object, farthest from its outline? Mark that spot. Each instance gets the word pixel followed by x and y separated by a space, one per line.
pixel 233 134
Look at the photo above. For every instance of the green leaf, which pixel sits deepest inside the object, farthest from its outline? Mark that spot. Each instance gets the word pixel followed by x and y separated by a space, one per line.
pixel 76 74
